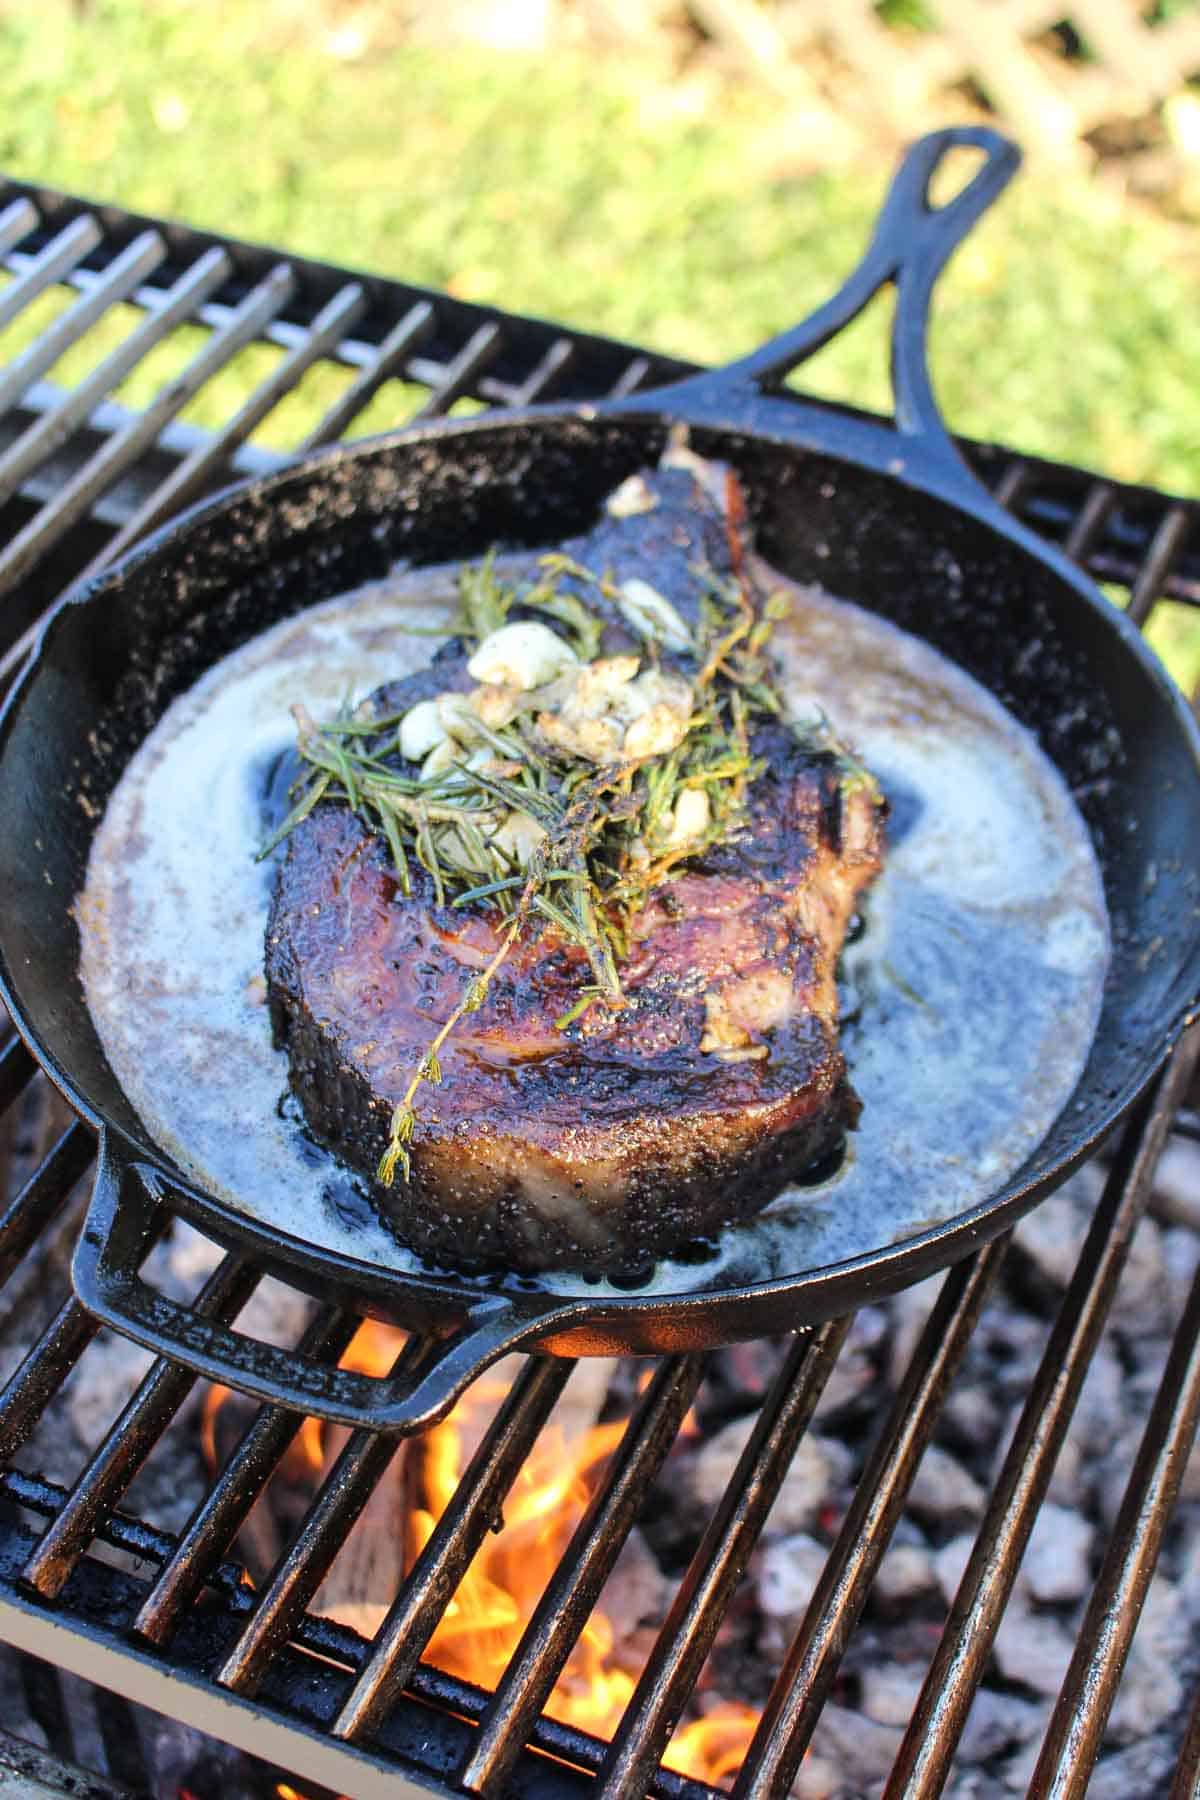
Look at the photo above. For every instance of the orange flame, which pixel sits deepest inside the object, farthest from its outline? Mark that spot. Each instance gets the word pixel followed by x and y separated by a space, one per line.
pixel 481 1627
pixel 214 1400
pixel 713 1747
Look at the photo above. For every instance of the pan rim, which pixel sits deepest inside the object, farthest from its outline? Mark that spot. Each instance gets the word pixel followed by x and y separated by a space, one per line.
pixel 792 426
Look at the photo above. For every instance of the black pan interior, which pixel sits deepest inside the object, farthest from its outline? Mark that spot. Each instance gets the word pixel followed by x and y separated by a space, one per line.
pixel 1059 660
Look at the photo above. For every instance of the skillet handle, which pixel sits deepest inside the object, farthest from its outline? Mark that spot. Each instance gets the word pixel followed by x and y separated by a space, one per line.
pixel 912 242
pixel 123 1214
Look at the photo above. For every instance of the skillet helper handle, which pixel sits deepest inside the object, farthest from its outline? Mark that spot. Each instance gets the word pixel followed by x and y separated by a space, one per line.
pixel 912 242
pixel 124 1210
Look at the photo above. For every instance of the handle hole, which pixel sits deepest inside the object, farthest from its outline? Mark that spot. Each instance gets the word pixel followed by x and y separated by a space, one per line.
pixel 852 368
pixel 374 1348
pixel 954 172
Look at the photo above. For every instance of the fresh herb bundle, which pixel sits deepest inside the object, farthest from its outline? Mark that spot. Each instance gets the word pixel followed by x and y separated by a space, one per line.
pixel 521 807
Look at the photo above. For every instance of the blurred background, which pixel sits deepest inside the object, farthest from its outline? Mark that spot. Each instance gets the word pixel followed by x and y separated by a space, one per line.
pixel 692 174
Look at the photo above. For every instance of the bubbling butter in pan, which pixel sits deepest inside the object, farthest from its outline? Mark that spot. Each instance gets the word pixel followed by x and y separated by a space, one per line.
pixel 970 1000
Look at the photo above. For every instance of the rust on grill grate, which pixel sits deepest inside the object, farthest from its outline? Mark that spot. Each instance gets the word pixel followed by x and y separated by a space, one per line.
pixel 168 1617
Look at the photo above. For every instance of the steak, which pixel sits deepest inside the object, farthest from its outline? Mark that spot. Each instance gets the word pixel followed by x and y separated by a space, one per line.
pixel 602 1143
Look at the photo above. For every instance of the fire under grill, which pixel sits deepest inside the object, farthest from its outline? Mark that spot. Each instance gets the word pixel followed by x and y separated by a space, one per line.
pixel 146 364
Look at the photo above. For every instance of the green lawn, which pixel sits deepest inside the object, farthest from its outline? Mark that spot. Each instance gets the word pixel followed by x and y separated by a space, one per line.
pixel 1068 325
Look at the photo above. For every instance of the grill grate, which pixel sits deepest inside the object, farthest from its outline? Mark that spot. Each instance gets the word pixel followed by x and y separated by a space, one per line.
pixel 83 473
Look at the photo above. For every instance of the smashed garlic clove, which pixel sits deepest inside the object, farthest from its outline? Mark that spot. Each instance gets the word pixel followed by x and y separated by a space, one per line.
pixel 656 733
pixel 651 614
pixel 443 756
pixel 421 730
pixel 525 654
pixel 690 819
pixel 518 838
pixel 458 717
pixel 595 740
pixel 600 687
pixel 634 496
pixel 495 704
pixel 658 688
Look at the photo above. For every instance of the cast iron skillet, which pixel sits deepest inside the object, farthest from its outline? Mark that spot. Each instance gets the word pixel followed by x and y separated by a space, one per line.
pixel 888 516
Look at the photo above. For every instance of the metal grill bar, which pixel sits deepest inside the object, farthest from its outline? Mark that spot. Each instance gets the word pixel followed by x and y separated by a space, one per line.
pixel 1012 484
pixel 135 261
pixel 332 1642
pixel 16 1069
pixel 450 384
pixel 803 1684
pixel 431 1583
pixel 60 255
pixel 117 1461
pixel 636 376
pixel 1168 542
pixel 194 473
pixel 666 1682
pixel 1089 521
pixel 41 1373
pixel 563 1610
pixel 43 1195
pixel 924 1761
pixel 541 379
pixel 1073 1741
pixel 53 428
pixel 17 220
pixel 388 360
pixel 1186 1784
pixel 301 1571
pixel 122 450
pixel 218 1519
pixel 142 1541
pixel 381 330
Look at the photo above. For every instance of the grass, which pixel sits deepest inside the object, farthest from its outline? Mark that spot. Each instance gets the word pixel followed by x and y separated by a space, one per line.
pixel 1068 325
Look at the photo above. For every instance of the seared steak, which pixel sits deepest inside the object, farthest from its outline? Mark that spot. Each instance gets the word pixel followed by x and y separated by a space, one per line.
pixel 605 1142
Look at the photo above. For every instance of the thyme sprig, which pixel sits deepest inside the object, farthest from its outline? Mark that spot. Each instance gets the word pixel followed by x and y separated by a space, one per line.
pixel 607 834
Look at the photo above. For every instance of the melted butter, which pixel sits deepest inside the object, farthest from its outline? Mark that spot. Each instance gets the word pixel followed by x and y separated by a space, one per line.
pixel 971 999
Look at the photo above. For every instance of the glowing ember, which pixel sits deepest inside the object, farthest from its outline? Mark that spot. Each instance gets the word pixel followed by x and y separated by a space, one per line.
pixel 482 1625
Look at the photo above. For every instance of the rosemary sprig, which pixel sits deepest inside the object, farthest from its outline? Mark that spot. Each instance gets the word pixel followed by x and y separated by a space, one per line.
pixel 606 835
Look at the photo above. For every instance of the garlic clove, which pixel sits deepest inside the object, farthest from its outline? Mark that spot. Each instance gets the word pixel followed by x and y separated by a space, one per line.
pixel 496 704
pixel 632 497
pixel 525 654
pixel 421 730
pixel 595 740
pixel 600 686
pixel 690 819
pixel 518 838
pixel 459 720
pixel 443 756
pixel 656 688
pixel 655 733
pixel 652 615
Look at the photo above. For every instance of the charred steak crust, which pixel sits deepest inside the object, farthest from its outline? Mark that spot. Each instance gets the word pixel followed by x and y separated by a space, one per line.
pixel 602 1145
